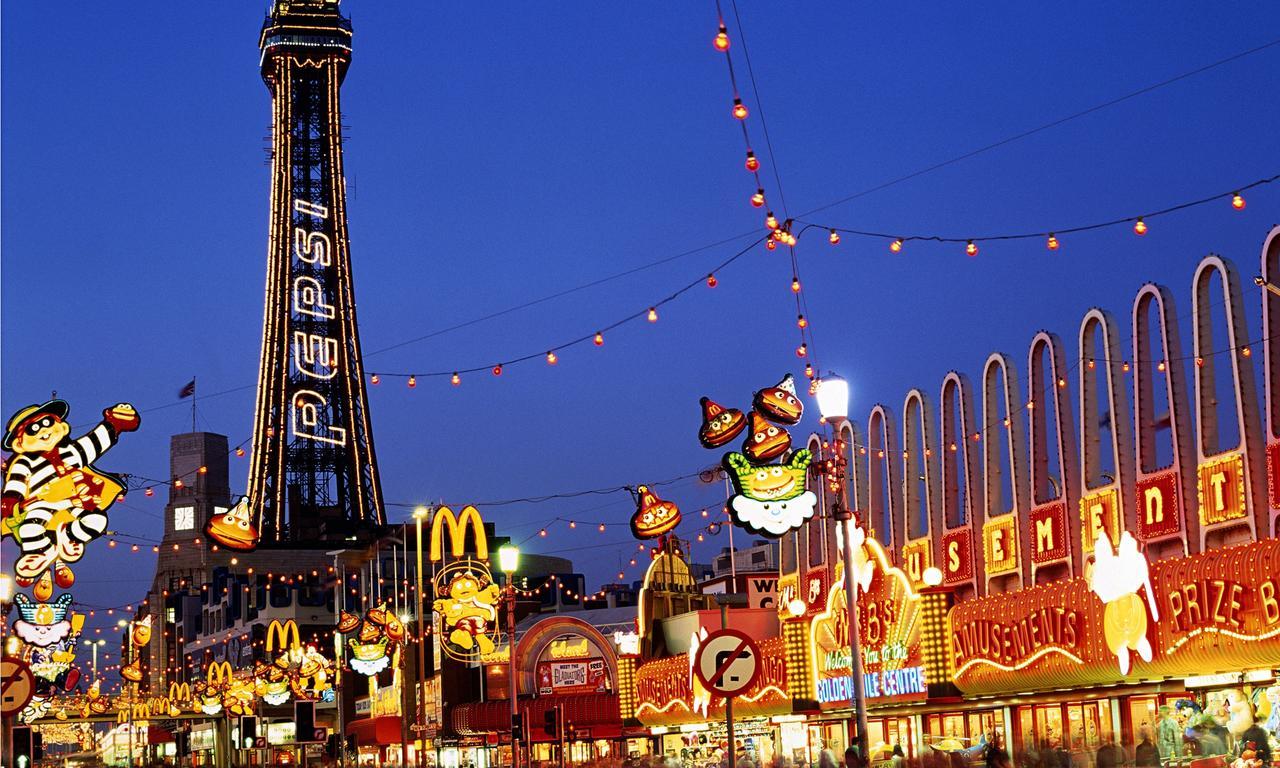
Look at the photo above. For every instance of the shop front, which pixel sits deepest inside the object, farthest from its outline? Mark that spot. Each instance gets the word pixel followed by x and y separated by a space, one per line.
pixel 1197 637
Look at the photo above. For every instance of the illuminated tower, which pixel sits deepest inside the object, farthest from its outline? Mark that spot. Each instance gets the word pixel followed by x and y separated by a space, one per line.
pixel 313 475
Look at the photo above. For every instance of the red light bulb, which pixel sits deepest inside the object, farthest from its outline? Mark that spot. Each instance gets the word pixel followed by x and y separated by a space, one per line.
pixel 1140 227
pixel 770 245
pixel 711 281
pixel 497 369
pixel 374 379
pixel 835 237
pixel 1237 201
pixel 753 164
pixel 722 39
pixel 599 339
pixel 757 200
pixel 739 109
pixel 413 382
pixel 1051 243
pixel 971 248
pixel 802 350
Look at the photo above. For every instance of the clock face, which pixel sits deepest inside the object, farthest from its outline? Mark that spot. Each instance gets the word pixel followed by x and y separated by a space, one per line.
pixel 184 518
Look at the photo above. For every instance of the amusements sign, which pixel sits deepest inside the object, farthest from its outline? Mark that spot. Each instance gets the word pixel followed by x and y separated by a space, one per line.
pixel 1218 611
pixel 889 630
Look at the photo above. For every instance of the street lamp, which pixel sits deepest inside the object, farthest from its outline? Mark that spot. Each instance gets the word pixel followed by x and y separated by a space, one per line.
pixel 509 563
pixel 95 646
pixel 833 403
pixel 6 588
pixel 420 514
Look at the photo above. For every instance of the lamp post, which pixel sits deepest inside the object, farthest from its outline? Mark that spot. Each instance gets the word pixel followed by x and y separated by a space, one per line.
pixel 127 626
pixel 509 563
pixel 833 403
pixel 95 646
pixel 420 514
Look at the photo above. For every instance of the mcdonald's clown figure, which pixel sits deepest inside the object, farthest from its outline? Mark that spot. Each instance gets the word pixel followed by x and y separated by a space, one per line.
pixel 54 501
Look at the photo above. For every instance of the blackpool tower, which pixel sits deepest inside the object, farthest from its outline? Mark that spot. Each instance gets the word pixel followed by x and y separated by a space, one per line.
pixel 313 474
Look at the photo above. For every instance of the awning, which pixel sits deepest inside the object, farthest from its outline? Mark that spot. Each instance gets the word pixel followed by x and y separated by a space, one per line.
pixel 158 735
pixel 597 712
pixel 375 730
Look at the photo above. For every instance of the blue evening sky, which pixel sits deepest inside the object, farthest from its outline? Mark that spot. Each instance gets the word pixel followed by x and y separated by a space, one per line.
pixel 499 153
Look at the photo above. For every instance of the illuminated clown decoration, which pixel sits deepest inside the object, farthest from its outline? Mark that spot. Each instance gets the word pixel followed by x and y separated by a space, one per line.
pixel 42 624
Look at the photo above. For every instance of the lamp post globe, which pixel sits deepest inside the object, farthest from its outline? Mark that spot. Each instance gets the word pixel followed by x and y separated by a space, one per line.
pixel 833 397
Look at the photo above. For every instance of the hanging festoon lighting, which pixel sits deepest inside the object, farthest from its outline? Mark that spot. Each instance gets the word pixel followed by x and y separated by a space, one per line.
pixel 1237 201
pixel 721 41
pixel 1140 227
pixel 653 314
pixel 739 109
pixel 971 248
pixel 896 246
pixel 1052 242
pixel 599 339
pixel 711 281
pixel 752 163
pixel 834 238
pixel 455 379
pixel 757 200
pixel 771 221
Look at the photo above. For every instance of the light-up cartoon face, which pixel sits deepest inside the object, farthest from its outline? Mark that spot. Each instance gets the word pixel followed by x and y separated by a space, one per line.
pixel 1116 578
pixel 771 500
pixel 368 658
pixel 141 634
pixel 234 529
pixel 779 402
pixel 766 441
pixel 653 516
pixel 42 624
pixel 41 433
pixel 719 424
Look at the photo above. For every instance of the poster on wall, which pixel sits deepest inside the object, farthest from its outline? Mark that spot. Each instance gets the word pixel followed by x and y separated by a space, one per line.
pixel 564 677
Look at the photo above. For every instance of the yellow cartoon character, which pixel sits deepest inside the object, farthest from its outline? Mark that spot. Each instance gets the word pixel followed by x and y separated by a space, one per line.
pixel 1116 578
pixel 468 611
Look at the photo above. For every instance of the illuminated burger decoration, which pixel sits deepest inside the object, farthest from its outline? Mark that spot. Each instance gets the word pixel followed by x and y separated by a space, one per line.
pixel 654 517
pixel 234 529
pixel 779 403
pixel 766 441
pixel 719 424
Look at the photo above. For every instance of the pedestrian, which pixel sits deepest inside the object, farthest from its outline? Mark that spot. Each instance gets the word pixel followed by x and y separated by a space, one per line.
pixel 1145 753
pixel 897 760
pixel 852 759
pixel 1168 734
pixel 997 758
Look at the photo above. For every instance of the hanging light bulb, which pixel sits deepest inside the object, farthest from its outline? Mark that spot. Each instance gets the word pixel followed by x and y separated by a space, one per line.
pixel 757 200
pixel 413 382
pixel 971 248
pixel 722 39
pixel 752 163
pixel 497 369
pixel 543 533
pixel 374 379
pixel 572 524
pixel 739 109
pixel 1237 201
pixel 599 339
pixel 455 379
pixel 1199 362
pixel 835 237
pixel 771 221
pixel 1051 243
pixel 795 284
pixel 711 281
pixel 801 322
pixel 653 314
pixel 1160 366
pixel 808 370
pixel 177 483
pixel 895 246
pixel 239 452
pixel 1125 366
pixel 1246 352
pixel 551 358
pixel 802 350
pixel 602 527
pixel 769 244
pixel 1140 227
pixel 149 492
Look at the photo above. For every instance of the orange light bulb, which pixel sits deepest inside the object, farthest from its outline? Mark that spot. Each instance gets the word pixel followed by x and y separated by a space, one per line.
pixel 808 370
pixel 895 246
pixel 497 369
pixel 653 314
pixel 835 237
pixel 722 39
pixel 599 339
pixel 1237 201
pixel 240 452
pixel 770 245
pixel 455 380
pixel 971 248
pixel 413 382
pixel 1160 366
pixel 374 379
pixel 602 527
pixel 802 322
pixel 771 221
pixel 712 282
pixel 149 492
pixel 1051 243
pixel 739 109
pixel 795 285
pixel 177 483
pixel 551 358
pixel 757 200
pixel 543 533
pixel 1140 227
pixel 1246 352
pixel 752 163
pixel 802 350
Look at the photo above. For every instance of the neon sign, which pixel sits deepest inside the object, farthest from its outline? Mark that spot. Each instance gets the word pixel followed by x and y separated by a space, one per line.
pixel 314 355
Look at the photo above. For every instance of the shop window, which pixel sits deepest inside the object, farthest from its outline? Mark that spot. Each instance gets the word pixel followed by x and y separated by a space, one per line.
pixel 280 595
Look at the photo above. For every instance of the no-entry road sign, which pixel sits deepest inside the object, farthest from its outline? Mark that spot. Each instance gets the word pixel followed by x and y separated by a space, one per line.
pixel 17 685
pixel 728 662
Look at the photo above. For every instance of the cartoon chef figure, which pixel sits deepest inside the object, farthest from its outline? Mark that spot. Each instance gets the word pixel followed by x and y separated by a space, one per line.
pixel 54 501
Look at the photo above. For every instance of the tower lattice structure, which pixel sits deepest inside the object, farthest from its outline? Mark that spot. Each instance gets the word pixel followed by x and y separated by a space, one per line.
pixel 313 475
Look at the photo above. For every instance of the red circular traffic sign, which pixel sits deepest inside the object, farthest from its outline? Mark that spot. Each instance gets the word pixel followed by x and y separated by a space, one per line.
pixel 727 662
pixel 17 686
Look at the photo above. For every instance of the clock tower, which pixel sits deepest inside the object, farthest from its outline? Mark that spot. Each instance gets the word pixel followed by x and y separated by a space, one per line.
pixel 199 461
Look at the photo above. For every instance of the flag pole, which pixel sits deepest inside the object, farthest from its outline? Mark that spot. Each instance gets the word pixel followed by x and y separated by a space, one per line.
pixel 193 404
